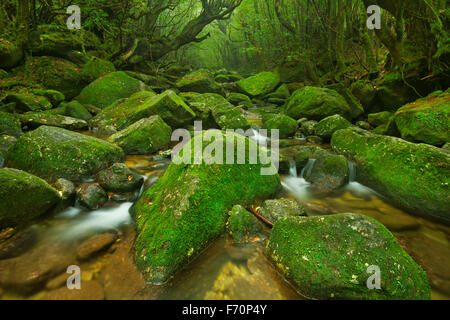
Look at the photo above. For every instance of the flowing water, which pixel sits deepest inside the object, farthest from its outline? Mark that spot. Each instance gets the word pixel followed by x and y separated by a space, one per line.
pixel 223 270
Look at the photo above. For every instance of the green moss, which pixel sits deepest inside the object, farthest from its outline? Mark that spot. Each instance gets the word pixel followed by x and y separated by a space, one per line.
pixel 53 153
pixel 110 88
pixel 201 81
pixel 286 125
pixel 426 120
pixel 23 197
pixel 9 125
pixel 413 176
pixel 36 119
pixel 187 208
pixel 146 136
pixel 260 84
pixel 76 110
pixel 242 226
pixel 26 101
pixel 316 104
pixel 328 257
pixel 55 97
pixel 326 127
pixel 96 68
pixel 380 118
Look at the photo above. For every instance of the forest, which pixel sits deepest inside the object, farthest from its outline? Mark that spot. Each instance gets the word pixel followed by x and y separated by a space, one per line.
pixel 224 150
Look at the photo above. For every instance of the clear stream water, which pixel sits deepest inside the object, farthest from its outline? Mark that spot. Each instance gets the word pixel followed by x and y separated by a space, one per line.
pixel 225 270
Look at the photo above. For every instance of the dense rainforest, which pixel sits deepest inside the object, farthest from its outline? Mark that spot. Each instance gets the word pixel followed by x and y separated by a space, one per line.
pixel 224 149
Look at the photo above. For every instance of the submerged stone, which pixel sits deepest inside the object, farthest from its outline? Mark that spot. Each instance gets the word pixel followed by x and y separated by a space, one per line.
pixel 330 258
pixel 412 176
pixel 52 153
pixel 187 208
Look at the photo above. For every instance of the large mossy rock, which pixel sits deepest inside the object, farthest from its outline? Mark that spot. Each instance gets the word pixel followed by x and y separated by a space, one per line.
pixel 239 99
pixel 260 84
pixel 96 68
pixel 26 101
pixel 426 120
pixel 168 105
pixel 328 258
pixel 52 153
pixel 146 136
pixel 201 81
pixel 413 176
pixel 9 125
pixel 187 208
pixel 285 125
pixel 10 54
pixel 56 74
pixel 355 106
pixel 23 197
pixel 34 120
pixel 326 127
pixel 379 118
pixel 316 104
pixel 217 112
pixel 110 88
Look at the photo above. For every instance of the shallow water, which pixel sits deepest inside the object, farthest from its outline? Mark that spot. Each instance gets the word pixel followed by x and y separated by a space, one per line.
pixel 223 270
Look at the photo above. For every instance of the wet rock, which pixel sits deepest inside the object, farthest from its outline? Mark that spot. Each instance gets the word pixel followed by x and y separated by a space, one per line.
pixel 316 104
pixel 67 192
pixel 426 120
pixel 326 127
pixel 124 197
pixel 170 107
pixel 273 210
pixel 29 272
pixel 286 125
pixel 90 290
pixel 201 81
pixel 54 153
pixel 328 174
pixel 29 102
pixel 76 110
pixel 146 136
pixel 380 118
pixel 328 258
pixel 259 85
pixel 187 208
pixel 412 176
pixel 19 243
pixel 118 178
pixel 34 120
pixel 216 112
pixel 96 68
pixel 110 88
pixel 91 196
pixel 10 125
pixel 242 226
pixel 94 245
pixel 23 197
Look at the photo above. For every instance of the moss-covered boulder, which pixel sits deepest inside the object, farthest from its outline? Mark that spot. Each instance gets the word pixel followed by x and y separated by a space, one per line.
pixel 34 120
pixel 379 118
pixel 146 136
pixel 119 178
pixel 365 92
pixel 426 120
pixel 217 112
pixel 316 104
pixel 5 143
pixel 26 101
pixel 356 108
pixel 91 196
pixel 260 84
pixel 308 127
pixel 275 209
pixel 110 88
pixel 287 126
pixel 76 110
pixel 239 99
pixel 201 81
pixel 413 176
pixel 10 54
pixel 168 105
pixel 56 74
pixel 329 173
pixel 53 153
pixel 9 125
pixel 330 258
pixel 326 127
pixel 242 226
pixel 388 129
pixel 96 68
pixel 55 97
pixel 187 208
pixel 23 197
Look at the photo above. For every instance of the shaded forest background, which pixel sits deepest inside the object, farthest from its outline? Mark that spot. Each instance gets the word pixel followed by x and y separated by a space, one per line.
pixel 310 41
